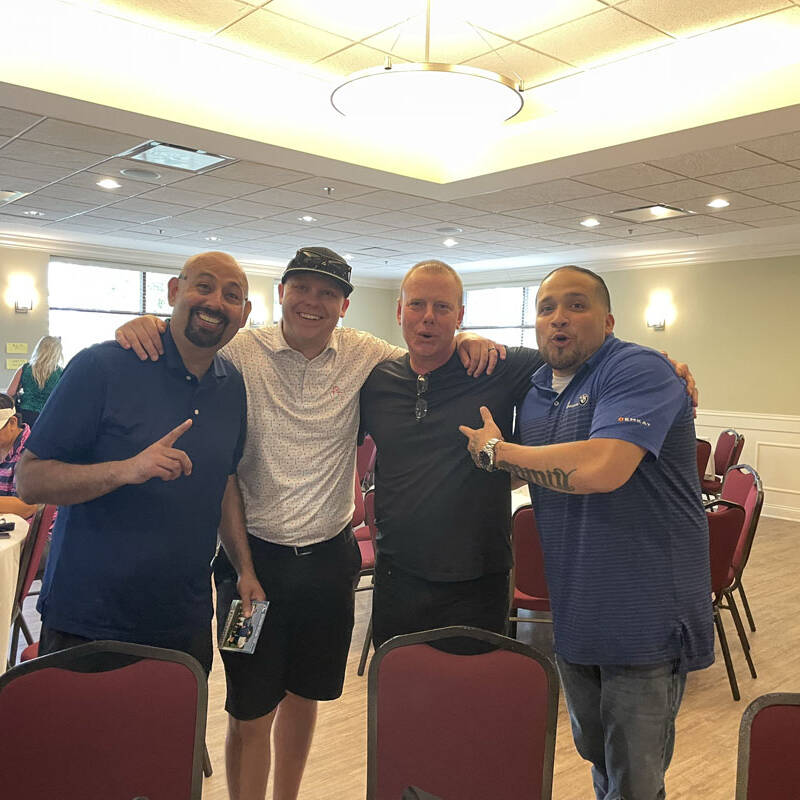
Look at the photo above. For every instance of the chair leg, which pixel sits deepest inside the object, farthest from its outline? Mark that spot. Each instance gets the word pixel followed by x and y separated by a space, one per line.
pixel 723 643
pixel 746 605
pixel 26 631
pixel 737 621
pixel 207 769
pixel 365 649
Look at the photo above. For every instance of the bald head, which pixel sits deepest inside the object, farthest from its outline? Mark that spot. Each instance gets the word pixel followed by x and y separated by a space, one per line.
pixel 212 261
pixel 434 267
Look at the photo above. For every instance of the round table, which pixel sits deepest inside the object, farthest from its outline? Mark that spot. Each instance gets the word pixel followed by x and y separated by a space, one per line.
pixel 9 570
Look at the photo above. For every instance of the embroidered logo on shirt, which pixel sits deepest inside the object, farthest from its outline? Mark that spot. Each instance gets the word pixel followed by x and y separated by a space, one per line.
pixel 634 419
pixel 335 390
pixel 582 401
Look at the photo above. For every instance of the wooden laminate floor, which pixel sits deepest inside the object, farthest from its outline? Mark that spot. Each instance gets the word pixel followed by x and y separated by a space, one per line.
pixel 704 764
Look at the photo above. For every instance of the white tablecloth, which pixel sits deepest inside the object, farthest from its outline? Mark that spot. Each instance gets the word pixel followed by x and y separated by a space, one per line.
pixel 9 570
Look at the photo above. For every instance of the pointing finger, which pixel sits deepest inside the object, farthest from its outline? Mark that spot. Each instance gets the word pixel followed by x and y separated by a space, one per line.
pixel 175 433
pixel 486 416
pixel 466 431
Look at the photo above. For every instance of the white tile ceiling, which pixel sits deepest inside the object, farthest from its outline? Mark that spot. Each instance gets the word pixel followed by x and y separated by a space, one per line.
pixel 252 205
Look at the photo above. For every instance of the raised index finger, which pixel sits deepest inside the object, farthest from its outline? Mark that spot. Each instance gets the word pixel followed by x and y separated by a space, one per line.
pixel 175 433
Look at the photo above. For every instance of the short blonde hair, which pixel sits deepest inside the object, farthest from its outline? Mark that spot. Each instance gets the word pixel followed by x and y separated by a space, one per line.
pixel 435 267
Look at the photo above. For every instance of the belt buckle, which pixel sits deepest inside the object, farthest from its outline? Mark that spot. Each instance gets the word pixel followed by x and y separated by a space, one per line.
pixel 304 550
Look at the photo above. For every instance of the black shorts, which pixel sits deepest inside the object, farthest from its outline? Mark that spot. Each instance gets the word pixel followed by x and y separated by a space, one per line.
pixel 306 635
pixel 406 603
pixel 197 644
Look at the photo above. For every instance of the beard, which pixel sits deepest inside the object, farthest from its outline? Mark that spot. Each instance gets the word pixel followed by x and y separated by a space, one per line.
pixel 202 337
pixel 564 360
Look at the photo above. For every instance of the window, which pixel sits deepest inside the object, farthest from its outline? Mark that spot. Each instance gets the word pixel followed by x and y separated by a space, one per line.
pixel 88 303
pixel 505 314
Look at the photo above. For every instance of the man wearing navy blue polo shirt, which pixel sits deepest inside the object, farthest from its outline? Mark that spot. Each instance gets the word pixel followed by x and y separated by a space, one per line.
pixel 142 455
pixel 608 449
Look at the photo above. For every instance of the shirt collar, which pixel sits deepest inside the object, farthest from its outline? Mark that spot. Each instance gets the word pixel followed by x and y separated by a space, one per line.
pixel 543 377
pixel 174 362
pixel 282 344
pixel 19 444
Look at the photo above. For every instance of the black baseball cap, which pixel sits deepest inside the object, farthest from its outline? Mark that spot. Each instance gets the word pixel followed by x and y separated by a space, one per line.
pixel 323 262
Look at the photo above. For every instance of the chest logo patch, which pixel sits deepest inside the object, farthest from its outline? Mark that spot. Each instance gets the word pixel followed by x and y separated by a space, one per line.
pixel 582 401
pixel 335 390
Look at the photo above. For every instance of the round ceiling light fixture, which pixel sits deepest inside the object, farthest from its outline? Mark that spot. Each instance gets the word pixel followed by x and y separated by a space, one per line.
pixel 428 91
pixel 140 174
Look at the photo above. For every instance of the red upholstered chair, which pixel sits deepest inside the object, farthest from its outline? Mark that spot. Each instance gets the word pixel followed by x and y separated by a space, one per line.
pixel 743 485
pixel 724 529
pixel 365 462
pixel 104 719
pixel 529 586
pixel 769 767
pixel 726 453
pixel 368 549
pixel 29 561
pixel 703 456
pixel 466 727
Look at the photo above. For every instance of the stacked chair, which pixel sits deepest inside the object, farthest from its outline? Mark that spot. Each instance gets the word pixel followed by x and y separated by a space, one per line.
pixel 726 453
pixel 742 496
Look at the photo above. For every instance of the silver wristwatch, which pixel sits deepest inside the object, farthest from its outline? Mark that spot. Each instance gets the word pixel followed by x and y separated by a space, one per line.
pixel 486 455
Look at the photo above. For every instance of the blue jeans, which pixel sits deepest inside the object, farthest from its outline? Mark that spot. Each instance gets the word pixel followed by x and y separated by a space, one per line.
pixel 623 722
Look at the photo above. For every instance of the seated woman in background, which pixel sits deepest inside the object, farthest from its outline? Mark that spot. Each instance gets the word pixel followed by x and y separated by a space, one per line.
pixel 13 435
pixel 35 379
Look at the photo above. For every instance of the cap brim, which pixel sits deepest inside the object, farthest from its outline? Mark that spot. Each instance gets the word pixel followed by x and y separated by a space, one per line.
pixel 321 272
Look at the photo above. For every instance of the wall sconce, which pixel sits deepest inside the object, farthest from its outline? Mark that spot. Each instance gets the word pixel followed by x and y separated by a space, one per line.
pixel 21 293
pixel 661 310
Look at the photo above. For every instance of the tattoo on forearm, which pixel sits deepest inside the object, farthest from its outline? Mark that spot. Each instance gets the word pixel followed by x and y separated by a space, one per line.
pixel 555 478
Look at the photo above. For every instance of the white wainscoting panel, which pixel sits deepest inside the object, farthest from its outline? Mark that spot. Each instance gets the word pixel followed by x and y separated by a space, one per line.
pixel 771 446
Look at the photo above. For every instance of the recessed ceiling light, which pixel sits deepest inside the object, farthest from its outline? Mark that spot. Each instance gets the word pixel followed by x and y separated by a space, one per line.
pixel 307 218
pixel 33 213
pixel 140 174
pixel 718 203
pixel 109 183
pixel 173 155
pixel 449 242
pixel 590 222
pixel 329 189
pixel 449 229
pixel 10 195
pixel 213 238
pixel 651 213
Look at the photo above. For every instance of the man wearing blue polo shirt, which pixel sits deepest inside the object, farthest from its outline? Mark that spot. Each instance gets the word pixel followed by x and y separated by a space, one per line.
pixel 608 449
pixel 142 455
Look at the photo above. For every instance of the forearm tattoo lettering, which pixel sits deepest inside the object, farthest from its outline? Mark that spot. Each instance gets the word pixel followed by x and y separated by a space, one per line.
pixel 555 478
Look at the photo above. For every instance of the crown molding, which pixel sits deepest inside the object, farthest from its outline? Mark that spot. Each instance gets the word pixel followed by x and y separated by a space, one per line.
pixel 142 259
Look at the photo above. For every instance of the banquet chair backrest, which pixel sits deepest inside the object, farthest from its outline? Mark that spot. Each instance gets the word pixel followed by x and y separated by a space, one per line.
pixel 122 721
pixel 703 457
pixel 725 450
pixel 529 574
pixel 743 485
pixel 724 529
pixel 768 766
pixel 32 550
pixel 461 726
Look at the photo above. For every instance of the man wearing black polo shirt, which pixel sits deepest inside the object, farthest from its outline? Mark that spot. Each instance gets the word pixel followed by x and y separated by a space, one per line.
pixel 142 455
pixel 443 545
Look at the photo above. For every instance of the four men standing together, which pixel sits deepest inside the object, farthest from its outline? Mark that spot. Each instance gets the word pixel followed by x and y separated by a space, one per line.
pixel 285 489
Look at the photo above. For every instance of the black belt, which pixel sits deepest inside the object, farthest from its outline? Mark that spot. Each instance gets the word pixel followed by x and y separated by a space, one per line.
pixel 303 550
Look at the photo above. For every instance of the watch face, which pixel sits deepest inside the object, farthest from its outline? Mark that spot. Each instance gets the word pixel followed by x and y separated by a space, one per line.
pixel 484 459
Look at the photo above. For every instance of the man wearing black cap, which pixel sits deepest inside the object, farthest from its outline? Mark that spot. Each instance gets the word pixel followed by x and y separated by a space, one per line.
pixel 303 379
